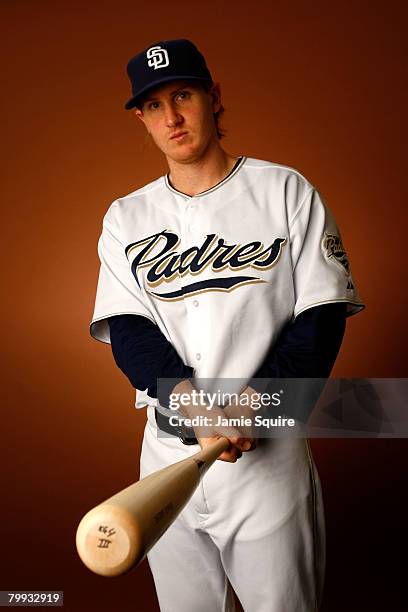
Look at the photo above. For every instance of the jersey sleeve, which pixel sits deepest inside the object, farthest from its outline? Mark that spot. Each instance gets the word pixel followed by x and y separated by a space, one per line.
pixel 117 291
pixel 321 269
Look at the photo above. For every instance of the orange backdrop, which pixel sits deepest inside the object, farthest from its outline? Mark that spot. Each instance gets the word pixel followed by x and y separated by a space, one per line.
pixel 317 86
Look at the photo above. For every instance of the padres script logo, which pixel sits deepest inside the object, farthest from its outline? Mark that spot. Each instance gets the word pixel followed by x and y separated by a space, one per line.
pixel 158 253
pixel 334 248
pixel 157 57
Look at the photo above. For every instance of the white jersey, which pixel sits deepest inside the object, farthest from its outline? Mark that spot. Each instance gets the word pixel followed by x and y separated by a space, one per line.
pixel 220 273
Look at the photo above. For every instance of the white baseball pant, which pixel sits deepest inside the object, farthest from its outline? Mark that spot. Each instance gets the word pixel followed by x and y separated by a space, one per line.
pixel 256 526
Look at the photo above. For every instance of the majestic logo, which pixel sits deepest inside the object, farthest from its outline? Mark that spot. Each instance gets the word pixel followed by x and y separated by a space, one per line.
pixel 157 57
pixel 158 253
pixel 334 248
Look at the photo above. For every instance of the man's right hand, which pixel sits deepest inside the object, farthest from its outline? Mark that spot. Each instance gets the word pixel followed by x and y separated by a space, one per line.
pixel 239 443
pixel 208 434
pixel 237 446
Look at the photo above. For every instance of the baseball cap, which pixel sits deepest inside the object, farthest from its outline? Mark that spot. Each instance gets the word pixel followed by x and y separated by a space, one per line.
pixel 165 60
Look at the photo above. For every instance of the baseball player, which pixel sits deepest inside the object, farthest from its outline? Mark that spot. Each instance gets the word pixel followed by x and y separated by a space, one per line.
pixel 226 268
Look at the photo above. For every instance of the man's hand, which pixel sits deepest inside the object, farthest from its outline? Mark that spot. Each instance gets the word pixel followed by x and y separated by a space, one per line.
pixel 233 452
pixel 239 442
pixel 243 408
pixel 214 428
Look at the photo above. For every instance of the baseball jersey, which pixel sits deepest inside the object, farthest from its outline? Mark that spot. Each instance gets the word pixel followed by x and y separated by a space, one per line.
pixel 220 273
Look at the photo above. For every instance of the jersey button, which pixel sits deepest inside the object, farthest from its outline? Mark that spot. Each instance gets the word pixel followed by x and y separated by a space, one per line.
pixel 198 356
pixel 195 303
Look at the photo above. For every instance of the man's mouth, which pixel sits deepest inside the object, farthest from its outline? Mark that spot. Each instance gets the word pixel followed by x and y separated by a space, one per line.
pixel 178 135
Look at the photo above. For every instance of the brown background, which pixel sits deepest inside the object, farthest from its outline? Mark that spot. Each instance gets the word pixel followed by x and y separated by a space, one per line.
pixel 317 86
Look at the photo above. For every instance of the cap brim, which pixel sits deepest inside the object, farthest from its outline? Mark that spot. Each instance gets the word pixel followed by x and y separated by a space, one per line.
pixel 133 100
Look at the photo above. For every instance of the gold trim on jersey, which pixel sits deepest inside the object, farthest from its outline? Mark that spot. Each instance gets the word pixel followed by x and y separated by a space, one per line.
pixel 199 291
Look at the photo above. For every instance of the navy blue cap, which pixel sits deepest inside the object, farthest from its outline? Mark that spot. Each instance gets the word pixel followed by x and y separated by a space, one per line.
pixel 166 60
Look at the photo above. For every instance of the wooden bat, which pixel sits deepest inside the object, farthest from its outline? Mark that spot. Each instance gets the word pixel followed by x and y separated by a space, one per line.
pixel 116 535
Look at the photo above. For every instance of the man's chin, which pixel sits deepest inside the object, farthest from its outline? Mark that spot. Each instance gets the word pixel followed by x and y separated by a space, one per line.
pixel 184 154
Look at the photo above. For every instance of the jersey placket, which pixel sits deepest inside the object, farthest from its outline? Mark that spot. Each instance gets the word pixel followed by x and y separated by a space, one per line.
pixel 191 237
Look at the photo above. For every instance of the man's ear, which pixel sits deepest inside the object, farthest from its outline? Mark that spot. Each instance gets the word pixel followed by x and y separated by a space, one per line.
pixel 215 93
pixel 139 114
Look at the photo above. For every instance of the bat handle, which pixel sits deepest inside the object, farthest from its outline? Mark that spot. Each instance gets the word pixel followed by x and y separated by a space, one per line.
pixel 210 453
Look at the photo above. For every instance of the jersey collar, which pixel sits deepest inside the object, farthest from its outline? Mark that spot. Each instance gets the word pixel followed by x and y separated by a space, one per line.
pixel 239 163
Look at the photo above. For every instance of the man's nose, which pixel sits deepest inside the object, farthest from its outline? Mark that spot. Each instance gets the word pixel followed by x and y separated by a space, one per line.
pixel 172 117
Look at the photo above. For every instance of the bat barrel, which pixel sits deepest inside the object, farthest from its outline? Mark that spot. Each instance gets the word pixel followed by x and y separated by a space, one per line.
pixel 116 535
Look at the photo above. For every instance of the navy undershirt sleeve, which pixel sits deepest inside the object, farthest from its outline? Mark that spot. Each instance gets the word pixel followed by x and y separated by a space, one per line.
pixel 143 353
pixel 307 347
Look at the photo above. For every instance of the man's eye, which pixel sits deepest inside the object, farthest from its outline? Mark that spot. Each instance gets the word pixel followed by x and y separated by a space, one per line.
pixel 153 105
pixel 183 95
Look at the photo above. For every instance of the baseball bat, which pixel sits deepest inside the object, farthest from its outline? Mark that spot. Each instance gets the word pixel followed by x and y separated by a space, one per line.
pixel 116 535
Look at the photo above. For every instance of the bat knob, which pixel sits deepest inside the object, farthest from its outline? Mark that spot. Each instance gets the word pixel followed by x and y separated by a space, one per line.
pixel 108 540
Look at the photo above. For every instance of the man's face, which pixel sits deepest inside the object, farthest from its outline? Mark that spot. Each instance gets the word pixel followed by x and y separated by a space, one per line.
pixel 181 106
